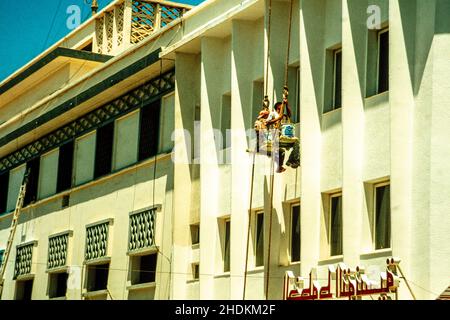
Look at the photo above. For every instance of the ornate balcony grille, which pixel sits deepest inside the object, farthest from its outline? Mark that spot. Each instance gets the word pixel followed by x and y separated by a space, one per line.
pixel 23 260
pixel 142 230
pixel 97 241
pixel 57 251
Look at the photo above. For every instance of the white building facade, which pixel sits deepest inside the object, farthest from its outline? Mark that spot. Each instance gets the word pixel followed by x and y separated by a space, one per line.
pixel 134 129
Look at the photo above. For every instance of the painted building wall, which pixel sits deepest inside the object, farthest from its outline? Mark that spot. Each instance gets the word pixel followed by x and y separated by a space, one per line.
pixel 397 137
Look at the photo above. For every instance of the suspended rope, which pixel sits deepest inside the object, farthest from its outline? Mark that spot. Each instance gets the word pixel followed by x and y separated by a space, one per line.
pixel 265 104
pixel 272 169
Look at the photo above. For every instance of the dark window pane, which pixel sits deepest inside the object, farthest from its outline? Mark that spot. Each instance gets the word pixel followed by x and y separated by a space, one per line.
pixel 383 63
pixel 336 226
pixel 196 272
pixel 33 181
pixel 24 290
pixel 226 258
pixel 338 80
pixel 104 150
pixel 148 268
pixel 65 166
pixel 58 285
pixel 195 234
pixel 383 218
pixel 4 183
pixel 295 234
pixel 149 130
pixel 259 240
pixel 97 277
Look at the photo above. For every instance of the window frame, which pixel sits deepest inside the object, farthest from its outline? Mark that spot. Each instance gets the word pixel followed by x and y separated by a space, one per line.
pixel 195 271
pixel 226 264
pixel 330 224
pixel 4 177
pixel 136 275
pixel 377 84
pixel 333 104
pixel 255 241
pixel 291 216
pixel 192 228
pixel 374 215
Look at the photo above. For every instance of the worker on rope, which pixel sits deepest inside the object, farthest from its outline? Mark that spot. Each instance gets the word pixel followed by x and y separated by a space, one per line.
pixel 282 135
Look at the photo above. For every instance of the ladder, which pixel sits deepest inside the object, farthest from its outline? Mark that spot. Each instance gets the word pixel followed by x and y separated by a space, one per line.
pixel 14 223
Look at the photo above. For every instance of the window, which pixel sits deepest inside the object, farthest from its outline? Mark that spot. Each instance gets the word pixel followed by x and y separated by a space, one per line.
pixel 195 234
pixel 149 130
pixel 2 254
pixel 33 181
pixel 226 251
pixel 295 233
pixel 104 150
pixel 377 80
pixel 97 277
pixel 4 183
pixel 195 271
pixel 143 258
pixel 97 241
pixel 294 93
pixel 333 79
pixel 259 239
pixel 383 61
pixel 65 167
pixel 335 225
pixel 225 121
pixel 97 270
pixel 57 287
pixel 143 268
pixel 24 290
pixel 382 216
pixel 337 79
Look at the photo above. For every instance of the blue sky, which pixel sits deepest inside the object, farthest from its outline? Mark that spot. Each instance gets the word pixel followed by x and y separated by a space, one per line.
pixel 28 28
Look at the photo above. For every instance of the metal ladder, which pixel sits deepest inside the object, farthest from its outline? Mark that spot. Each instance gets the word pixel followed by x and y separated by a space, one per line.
pixel 12 231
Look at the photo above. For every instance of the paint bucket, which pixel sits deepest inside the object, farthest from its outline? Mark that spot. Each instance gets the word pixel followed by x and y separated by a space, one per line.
pixel 288 130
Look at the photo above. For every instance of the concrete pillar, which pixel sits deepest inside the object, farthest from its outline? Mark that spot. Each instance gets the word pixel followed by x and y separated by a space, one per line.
pixel 187 68
pixel 401 99
pixel 311 86
pixel 440 154
pixel 354 35
pixel 241 119
pixel 212 76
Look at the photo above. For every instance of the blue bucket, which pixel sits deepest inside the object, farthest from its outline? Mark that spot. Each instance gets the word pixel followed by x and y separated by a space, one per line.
pixel 288 130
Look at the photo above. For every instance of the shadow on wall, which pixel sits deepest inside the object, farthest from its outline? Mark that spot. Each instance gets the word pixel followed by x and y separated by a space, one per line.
pixel 313 20
pixel 420 28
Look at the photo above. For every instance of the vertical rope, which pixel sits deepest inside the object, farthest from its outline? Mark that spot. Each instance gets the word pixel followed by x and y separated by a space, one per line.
pixel 272 178
pixel 269 18
pixel 272 173
pixel 249 222
pixel 288 50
